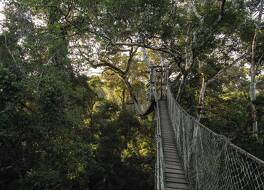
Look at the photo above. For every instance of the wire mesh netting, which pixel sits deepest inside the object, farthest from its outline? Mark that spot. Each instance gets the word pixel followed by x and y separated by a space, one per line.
pixel 210 160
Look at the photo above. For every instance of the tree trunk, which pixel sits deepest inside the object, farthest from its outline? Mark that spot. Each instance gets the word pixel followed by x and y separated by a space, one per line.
pixel 130 91
pixel 123 98
pixel 252 88
pixel 201 98
pixel 180 87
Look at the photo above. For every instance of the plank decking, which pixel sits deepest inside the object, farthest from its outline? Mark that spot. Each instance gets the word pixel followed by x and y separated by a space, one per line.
pixel 173 171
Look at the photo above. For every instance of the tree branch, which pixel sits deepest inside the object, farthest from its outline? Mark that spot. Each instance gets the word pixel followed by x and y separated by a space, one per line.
pixel 220 72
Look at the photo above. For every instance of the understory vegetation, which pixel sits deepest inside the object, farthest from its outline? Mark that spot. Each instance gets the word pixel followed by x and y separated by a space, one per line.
pixel 71 72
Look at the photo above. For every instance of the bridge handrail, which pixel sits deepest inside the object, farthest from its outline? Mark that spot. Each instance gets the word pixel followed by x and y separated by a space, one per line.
pixel 159 170
pixel 220 136
pixel 210 160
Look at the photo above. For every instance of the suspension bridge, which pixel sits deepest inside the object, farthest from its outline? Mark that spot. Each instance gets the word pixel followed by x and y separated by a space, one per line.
pixel 189 156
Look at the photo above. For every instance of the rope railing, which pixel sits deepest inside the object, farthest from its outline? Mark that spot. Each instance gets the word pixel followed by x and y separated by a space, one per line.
pixel 211 161
pixel 159 168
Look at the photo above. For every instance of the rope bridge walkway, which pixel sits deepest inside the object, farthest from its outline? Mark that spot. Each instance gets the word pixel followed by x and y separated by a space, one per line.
pixel 191 156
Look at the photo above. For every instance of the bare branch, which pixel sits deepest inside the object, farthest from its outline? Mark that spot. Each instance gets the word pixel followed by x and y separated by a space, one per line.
pixel 8 49
pixel 220 72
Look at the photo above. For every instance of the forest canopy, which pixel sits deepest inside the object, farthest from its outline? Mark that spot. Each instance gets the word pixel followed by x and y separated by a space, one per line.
pixel 71 72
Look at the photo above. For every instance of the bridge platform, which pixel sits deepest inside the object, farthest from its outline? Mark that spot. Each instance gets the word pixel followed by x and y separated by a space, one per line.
pixel 174 175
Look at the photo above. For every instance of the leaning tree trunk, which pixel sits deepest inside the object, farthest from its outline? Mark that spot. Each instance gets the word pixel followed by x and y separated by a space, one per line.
pixel 253 71
pixel 183 78
pixel 252 88
pixel 123 98
pixel 201 98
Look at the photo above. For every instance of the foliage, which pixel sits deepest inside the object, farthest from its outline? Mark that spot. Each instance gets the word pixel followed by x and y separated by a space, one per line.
pixel 61 128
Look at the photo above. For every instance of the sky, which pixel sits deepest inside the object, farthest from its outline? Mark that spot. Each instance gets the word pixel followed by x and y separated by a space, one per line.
pixel 2 17
pixel 1 9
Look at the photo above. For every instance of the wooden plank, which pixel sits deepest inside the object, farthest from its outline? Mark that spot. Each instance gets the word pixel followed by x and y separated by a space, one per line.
pixel 171 175
pixel 172 146
pixel 172 159
pixel 168 155
pixel 176 185
pixel 175 180
pixel 170 152
pixel 169 144
pixel 168 141
pixel 169 149
pixel 173 151
pixel 173 164
pixel 179 167
pixel 174 171
pixel 171 156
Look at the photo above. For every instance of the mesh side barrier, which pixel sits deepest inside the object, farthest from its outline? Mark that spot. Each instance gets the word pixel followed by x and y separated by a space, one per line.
pixel 211 161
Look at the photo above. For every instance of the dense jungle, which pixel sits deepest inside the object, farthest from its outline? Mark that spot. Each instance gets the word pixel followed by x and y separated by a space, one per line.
pixel 71 72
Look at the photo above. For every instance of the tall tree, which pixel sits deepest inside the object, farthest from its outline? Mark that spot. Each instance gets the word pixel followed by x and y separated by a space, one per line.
pixel 253 70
